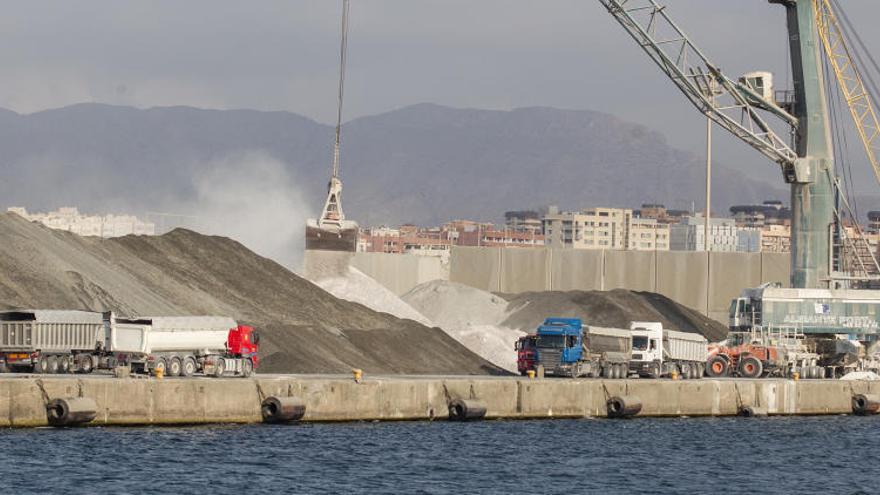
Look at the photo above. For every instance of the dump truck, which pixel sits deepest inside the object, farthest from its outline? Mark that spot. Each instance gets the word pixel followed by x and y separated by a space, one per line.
pixel 49 341
pixel 526 355
pixel 565 347
pixel 184 345
pixel 659 352
pixel 53 341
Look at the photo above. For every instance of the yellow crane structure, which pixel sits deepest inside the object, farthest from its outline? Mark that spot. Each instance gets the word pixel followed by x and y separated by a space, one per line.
pixel 849 80
pixel 858 99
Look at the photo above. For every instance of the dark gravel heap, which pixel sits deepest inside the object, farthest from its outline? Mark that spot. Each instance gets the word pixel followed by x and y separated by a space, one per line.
pixel 303 328
pixel 615 308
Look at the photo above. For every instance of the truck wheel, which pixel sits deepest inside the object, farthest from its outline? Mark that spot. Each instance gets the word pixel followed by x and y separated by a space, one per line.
pixel 685 371
pixel 85 364
pixel 750 367
pixel 52 365
pixel 64 364
pixel 247 368
pixel 717 367
pixel 654 371
pixel 219 367
pixel 160 365
pixel 41 365
pixel 174 367
pixel 188 367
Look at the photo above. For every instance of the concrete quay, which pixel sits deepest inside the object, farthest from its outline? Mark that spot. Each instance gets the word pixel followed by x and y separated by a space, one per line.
pixel 148 401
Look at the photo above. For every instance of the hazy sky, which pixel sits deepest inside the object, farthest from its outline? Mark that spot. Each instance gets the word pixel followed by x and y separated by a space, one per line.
pixel 282 55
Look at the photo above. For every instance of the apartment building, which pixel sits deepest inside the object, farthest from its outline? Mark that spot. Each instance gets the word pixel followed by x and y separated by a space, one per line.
pixel 603 228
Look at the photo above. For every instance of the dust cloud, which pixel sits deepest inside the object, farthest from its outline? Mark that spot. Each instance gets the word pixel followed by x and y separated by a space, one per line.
pixel 252 198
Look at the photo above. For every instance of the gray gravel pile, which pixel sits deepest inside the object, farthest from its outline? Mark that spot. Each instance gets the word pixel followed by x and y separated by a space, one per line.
pixel 304 329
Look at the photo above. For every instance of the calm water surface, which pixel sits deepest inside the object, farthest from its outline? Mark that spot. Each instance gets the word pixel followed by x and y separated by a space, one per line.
pixel 769 455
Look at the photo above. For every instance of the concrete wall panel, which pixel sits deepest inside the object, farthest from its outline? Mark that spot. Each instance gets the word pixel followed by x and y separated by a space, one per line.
pixel 399 273
pixel 525 270
pixel 683 276
pixel 634 270
pixel 729 273
pixel 476 267
pixel 776 267
pixel 576 269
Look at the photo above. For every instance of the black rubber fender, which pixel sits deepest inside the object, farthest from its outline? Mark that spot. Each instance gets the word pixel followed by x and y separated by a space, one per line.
pixel 623 406
pixel 752 411
pixel 466 410
pixel 282 409
pixel 865 404
pixel 71 411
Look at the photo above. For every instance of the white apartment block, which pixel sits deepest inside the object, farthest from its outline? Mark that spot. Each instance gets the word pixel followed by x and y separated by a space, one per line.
pixel 603 228
pixel 690 234
pixel 71 220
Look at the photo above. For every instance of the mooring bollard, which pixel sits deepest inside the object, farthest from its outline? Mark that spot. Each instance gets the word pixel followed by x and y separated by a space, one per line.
pixel 623 406
pixel 540 371
pixel 466 410
pixel 358 375
pixel 531 374
pixel 752 411
pixel 282 409
pixel 72 411
pixel 865 405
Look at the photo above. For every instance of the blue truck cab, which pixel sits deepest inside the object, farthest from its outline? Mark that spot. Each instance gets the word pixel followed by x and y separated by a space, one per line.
pixel 560 345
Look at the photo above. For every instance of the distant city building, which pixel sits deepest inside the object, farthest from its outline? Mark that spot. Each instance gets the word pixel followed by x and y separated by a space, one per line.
pixel 776 239
pixel 603 228
pixel 873 222
pixel 661 213
pixel 523 221
pixel 771 212
pixel 647 234
pixel 690 234
pixel 438 241
pixel 71 220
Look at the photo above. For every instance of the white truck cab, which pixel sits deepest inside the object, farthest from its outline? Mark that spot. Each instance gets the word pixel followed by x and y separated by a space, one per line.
pixel 647 341
pixel 658 352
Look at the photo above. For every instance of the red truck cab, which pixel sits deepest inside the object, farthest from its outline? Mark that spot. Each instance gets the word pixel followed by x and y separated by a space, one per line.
pixel 243 342
pixel 526 353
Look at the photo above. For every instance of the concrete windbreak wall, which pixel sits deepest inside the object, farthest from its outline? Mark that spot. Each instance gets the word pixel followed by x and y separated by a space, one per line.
pixel 703 281
pixel 399 272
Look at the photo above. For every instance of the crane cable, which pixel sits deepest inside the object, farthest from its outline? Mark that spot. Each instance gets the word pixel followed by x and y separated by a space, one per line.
pixel 851 33
pixel 840 143
pixel 343 57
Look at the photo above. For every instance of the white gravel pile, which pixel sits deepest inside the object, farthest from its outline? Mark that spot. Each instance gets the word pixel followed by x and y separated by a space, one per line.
pixel 470 316
pixel 358 287
pixel 861 375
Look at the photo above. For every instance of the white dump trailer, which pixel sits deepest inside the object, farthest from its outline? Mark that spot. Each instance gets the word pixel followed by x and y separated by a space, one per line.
pixel 659 352
pixel 49 341
pixel 183 345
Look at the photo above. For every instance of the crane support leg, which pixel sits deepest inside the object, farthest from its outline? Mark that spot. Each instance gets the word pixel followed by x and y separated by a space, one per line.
pixel 812 195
